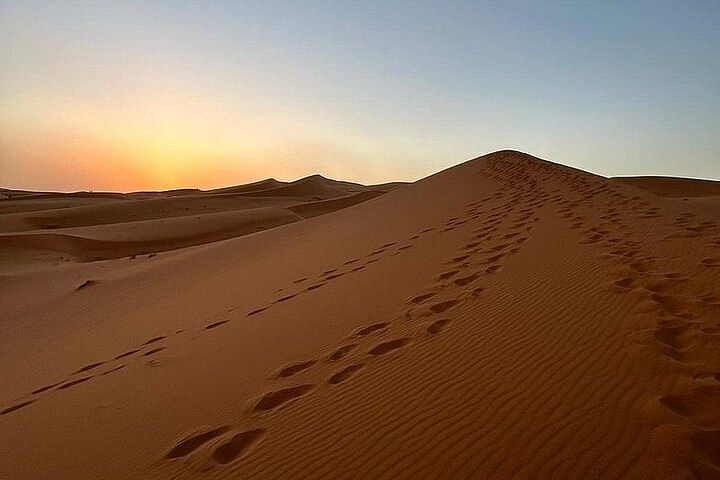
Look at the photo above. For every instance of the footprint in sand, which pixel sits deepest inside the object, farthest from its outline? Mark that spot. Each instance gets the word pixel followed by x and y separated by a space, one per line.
pixel 421 298
pixel 45 388
pixel 446 275
pixel 342 352
pixel 127 354
pixel 237 446
pixel 386 347
pixel 293 369
pixel 345 373
pixel 73 383
pixel 153 340
pixel 90 367
pixel 216 324
pixel 701 406
pixel 16 407
pixel 465 280
pixel 191 443
pixel 365 331
pixel 153 351
pixel 437 326
pixel 493 269
pixel 443 306
pixel 255 312
pixel 276 399
pixel 286 298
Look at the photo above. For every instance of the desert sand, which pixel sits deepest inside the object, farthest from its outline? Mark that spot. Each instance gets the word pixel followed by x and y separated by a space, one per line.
pixel 507 318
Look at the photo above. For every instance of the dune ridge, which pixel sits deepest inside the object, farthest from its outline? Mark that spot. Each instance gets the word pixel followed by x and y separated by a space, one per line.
pixel 506 318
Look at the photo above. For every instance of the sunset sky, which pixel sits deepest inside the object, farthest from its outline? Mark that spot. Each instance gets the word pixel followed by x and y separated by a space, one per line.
pixel 132 95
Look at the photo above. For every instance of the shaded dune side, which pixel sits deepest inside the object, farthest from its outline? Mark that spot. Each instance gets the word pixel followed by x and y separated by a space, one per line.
pixel 313 209
pixel 673 187
pixel 137 238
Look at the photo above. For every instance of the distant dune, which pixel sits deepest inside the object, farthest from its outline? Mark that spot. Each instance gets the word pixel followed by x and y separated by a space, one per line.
pixel 507 318
pixel 86 226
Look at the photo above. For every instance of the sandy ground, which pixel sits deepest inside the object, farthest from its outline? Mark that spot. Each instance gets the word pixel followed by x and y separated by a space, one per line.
pixel 505 318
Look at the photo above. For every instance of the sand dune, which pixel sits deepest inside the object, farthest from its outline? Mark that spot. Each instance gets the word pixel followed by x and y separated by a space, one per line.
pixel 37 227
pixel 505 318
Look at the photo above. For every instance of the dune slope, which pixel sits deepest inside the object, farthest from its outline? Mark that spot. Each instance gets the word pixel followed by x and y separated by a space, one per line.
pixel 506 318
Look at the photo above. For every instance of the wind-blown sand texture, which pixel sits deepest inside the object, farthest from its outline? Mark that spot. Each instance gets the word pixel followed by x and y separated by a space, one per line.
pixel 505 318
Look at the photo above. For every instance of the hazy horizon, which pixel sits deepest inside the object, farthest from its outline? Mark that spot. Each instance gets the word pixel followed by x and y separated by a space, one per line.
pixel 125 96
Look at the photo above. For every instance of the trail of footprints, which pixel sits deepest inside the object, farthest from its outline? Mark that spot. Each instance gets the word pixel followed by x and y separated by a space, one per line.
pixel 141 352
pixel 496 237
pixel 487 232
pixel 686 319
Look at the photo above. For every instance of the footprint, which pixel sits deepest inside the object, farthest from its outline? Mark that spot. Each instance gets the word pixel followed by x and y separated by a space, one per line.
pixel 193 442
pixel 342 352
pixel 45 388
pixel 255 312
pixel 154 350
pixel 345 373
pixel 74 382
pixel 295 368
pixel 127 354
pixel 153 340
pixel 437 327
pixel 495 258
pixel 216 324
pixel 387 347
pixel 465 280
pixel 314 287
pixel 337 275
pixel 114 369
pixel 273 400
pixel 285 298
pixel 442 306
pixel 673 336
pixel 301 280
pixel 710 262
pixel 90 367
pixel 422 298
pixel 701 406
pixel 85 284
pixel 624 284
pixel 16 407
pixel 237 446
pixel 672 305
pixel 446 275
pixel 493 269
pixel 365 331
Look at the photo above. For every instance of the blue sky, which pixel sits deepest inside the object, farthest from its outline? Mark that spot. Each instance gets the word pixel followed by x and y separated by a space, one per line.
pixel 128 95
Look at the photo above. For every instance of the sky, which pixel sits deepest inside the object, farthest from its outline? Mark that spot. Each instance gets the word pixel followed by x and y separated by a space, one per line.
pixel 130 95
